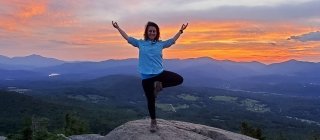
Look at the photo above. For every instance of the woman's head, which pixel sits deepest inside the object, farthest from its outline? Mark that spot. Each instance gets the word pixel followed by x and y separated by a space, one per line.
pixel 152 31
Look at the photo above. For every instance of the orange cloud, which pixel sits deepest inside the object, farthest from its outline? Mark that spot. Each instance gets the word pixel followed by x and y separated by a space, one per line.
pixel 232 40
pixel 242 41
pixel 32 9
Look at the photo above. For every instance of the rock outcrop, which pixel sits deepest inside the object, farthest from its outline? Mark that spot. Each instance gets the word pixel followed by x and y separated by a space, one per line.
pixel 86 137
pixel 168 130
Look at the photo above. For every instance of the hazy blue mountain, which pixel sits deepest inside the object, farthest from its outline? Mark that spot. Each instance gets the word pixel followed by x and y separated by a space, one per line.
pixel 21 75
pixel 198 67
pixel 4 58
pixel 297 68
pixel 128 65
pixel 30 61
pixel 211 68
pixel 201 72
pixel 204 67
pixel 16 67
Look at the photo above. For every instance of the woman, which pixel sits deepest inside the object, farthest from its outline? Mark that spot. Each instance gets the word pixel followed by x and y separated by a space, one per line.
pixel 154 77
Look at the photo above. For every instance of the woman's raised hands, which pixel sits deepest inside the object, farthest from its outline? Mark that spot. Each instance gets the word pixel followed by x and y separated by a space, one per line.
pixel 115 24
pixel 184 26
pixel 124 35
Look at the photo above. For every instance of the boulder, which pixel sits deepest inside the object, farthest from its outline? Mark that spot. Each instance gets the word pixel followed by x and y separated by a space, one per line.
pixel 170 130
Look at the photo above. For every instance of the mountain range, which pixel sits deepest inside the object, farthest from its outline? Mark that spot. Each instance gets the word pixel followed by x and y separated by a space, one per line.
pixel 27 62
pixel 296 77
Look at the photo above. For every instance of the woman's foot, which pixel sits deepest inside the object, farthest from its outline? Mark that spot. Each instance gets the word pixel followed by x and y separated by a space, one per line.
pixel 157 88
pixel 153 126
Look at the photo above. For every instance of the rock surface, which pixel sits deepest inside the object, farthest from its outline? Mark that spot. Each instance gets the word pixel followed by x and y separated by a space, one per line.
pixel 2 138
pixel 86 137
pixel 168 130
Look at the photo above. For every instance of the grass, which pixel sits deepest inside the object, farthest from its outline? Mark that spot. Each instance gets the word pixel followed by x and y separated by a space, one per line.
pixel 249 104
pixel 254 106
pixel 224 98
pixel 171 107
pixel 188 97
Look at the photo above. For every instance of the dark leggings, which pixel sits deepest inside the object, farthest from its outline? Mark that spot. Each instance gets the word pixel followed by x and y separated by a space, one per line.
pixel 168 79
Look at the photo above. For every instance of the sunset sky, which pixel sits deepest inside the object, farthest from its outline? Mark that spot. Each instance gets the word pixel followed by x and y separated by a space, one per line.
pixel 267 31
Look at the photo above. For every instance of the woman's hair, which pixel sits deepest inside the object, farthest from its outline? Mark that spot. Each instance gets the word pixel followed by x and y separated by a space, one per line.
pixel 146 31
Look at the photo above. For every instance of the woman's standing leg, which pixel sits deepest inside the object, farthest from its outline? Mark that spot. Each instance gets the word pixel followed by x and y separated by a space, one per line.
pixel 167 79
pixel 149 93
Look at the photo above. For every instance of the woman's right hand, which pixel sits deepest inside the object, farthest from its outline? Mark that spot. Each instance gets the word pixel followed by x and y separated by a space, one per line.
pixel 115 25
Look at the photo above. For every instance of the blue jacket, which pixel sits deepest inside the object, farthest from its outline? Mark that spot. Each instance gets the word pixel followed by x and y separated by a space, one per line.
pixel 150 55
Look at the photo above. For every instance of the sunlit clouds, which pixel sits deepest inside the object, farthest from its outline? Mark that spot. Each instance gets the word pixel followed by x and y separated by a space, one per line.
pixel 265 31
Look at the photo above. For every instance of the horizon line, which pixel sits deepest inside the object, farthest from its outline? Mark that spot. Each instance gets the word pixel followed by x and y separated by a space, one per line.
pixel 255 61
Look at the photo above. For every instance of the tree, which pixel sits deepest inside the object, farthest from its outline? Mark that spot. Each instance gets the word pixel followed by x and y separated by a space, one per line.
pixel 35 128
pixel 27 132
pixel 281 137
pixel 74 126
pixel 316 136
pixel 245 129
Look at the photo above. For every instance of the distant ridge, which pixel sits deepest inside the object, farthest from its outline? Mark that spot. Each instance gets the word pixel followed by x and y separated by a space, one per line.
pixel 32 56
pixel 31 60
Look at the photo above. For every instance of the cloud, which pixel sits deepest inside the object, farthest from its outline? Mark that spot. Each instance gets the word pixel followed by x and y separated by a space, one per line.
pixel 67 43
pixel 295 12
pixel 288 11
pixel 312 36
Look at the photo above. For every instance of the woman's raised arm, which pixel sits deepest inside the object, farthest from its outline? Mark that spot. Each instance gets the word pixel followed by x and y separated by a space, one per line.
pixel 124 35
pixel 180 32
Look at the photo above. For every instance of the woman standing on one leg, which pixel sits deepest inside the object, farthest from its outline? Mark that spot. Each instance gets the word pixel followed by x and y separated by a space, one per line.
pixel 154 77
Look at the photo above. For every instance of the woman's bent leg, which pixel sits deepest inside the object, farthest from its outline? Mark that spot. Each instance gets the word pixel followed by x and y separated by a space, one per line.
pixel 169 79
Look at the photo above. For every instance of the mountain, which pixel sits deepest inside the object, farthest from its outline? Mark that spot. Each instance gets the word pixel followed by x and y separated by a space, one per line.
pixel 300 78
pixel 92 70
pixel 4 58
pixel 28 62
pixel 296 68
pixel 9 75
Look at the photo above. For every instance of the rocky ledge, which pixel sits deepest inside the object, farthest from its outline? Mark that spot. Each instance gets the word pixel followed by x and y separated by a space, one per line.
pixel 168 130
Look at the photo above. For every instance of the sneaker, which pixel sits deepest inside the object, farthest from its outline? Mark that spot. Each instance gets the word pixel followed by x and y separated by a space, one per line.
pixel 157 88
pixel 153 126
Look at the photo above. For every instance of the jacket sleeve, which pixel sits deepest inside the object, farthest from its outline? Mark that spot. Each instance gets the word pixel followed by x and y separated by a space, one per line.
pixel 168 43
pixel 134 42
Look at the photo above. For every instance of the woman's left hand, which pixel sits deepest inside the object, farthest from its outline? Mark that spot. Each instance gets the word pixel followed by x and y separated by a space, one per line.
pixel 184 26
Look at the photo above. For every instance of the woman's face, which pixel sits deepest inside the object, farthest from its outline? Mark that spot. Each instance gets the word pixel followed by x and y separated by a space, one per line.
pixel 152 32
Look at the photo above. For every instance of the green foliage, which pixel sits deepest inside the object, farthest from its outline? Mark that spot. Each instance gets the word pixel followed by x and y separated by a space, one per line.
pixel 315 136
pixel 281 137
pixel 27 130
pixel 74 126
pixel 250 131
pixel 35 129
pixel 111 101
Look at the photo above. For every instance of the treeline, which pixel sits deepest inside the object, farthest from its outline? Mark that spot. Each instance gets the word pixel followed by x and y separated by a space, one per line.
pixel 17 111
pixel 36 128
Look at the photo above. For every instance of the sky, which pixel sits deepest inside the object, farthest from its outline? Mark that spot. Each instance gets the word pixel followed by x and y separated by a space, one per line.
pixel 268 31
